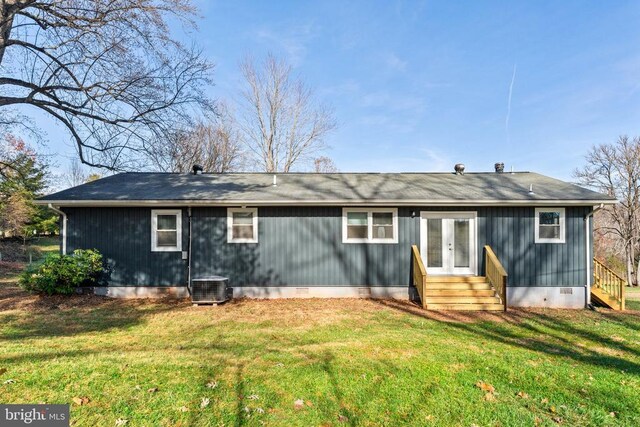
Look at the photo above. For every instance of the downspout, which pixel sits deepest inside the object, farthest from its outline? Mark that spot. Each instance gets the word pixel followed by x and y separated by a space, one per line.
pixel 64 227
pixel 588 252
pixel 189 255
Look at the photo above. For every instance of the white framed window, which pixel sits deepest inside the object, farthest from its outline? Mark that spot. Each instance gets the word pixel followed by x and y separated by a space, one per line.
pixel 549 224
pixel 166 230
pixel 369 225
pixel 242 225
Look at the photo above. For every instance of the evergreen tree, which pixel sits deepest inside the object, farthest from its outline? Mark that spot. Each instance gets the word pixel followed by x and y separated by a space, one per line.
pixel 23 177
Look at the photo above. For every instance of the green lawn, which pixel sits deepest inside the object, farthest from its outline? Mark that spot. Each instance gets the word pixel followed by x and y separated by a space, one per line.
pixel 346 362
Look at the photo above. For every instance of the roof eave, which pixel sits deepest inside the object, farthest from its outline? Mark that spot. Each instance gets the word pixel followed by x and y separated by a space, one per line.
pixel 372 202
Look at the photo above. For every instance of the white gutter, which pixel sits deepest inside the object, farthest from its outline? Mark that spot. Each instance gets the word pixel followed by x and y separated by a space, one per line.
pixel 588 251
pixel 64 227
pixel 189 255
pixel 337 202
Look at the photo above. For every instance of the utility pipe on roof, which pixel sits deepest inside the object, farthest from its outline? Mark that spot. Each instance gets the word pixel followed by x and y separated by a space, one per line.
pixel 64 227
pixel 588 252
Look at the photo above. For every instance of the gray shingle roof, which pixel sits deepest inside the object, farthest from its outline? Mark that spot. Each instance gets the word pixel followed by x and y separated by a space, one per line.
pixel 337 188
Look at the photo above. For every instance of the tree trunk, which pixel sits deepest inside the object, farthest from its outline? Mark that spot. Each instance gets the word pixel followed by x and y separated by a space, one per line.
pixel 629 266
pixel 7 11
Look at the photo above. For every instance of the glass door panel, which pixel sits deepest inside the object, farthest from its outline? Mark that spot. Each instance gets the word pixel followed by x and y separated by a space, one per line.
pixel 461 250
pixel 434 243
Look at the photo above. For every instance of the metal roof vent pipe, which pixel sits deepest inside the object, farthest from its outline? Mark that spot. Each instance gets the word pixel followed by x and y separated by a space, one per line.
pixel 275 180
pixel 197 169
pixel 499 167
pixel 459 168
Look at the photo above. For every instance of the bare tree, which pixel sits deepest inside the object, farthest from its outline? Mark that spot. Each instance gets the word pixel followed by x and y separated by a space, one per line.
pixel 615 169
pixel 214 145
pixel 75 174
pixel 324 164
pixel 281 123
pixel 107 70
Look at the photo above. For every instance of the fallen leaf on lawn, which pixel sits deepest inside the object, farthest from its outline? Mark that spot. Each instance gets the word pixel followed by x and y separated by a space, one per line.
pixel 309 404
pixel 204 403
pixel 153 390
pixel 552 409
pixel 212 384
pixel 537 421
pixel 485 386
pixel 523 395
pixel 260 410
pixel 183 409
pixel 120 422
pixel 279 365
pixel 343 419
pixel 3 370
pixel 298 404
pixel 80 400
pixel 253 397
pixel 612 414
pixel 557 420
pixel 489 397
pixel 545 400
pixel 9 381
pixel 429 417
pixel 137 387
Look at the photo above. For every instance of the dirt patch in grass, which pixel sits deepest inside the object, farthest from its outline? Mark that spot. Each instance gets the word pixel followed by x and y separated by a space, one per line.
pixel 14 298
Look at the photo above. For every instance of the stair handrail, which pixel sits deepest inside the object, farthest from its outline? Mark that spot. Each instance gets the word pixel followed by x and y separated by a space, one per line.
pixel 610 282
pixel 419 274
pixel 496 274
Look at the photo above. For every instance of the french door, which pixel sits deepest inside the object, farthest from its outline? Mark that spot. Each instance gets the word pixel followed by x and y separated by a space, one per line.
pixel 448 242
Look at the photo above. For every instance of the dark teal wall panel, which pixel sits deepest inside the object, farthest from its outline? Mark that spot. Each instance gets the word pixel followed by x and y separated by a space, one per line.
pixel 302 246
pixel 123 236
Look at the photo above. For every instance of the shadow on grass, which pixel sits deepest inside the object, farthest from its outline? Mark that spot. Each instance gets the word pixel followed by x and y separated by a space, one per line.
pixel 53 316
pixel 540 332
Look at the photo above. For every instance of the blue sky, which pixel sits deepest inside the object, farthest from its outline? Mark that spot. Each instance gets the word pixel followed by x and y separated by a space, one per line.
pixel 421 85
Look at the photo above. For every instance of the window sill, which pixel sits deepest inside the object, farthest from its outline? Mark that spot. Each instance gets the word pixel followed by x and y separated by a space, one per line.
pixel 371 242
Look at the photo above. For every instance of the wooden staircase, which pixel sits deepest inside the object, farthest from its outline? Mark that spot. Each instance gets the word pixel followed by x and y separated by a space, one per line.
pixel 608 287
pixel 461 293
pixel 470 293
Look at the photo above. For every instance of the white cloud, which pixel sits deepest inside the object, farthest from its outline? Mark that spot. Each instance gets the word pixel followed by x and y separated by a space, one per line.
pixel 292 40
pixel 393 62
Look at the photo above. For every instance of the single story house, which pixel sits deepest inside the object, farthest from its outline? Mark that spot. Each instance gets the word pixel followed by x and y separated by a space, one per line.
pixel 340 235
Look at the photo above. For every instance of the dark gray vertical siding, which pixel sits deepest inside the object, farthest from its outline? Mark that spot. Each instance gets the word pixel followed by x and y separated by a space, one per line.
pixel 302 246
pixel 123 236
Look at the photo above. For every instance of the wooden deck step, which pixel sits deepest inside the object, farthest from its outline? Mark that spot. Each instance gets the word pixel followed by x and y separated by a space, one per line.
pixel 446 292
pixel 462 300
pixel 466 307
pixel 456 279
pixel 459 286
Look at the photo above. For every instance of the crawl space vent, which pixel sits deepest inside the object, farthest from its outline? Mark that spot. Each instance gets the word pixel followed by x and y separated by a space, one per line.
pixel 566 291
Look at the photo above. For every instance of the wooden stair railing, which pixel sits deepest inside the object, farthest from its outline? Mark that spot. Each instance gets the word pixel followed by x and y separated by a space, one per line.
pixel 496 274
pixel 609 283
pixel 419 274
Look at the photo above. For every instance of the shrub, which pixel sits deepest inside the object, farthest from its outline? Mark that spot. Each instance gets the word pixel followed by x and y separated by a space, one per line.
pixel 62 274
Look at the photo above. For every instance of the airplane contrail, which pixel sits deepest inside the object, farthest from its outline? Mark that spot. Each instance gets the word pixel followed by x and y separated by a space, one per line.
pixel 506 124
